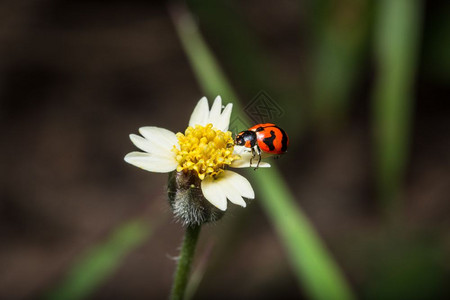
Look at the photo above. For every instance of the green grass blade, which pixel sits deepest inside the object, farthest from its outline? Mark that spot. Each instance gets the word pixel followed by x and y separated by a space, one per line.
pixel 99 262
pixel 312 263
pixel 202 61
pixel 248 63
pixel 239 47
pixel 340 41
pixel 397 36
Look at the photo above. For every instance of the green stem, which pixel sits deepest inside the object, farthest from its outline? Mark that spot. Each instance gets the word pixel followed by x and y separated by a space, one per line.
pixel 184 262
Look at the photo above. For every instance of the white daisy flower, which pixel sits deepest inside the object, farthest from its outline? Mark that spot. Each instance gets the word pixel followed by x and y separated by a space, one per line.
pixel 206 150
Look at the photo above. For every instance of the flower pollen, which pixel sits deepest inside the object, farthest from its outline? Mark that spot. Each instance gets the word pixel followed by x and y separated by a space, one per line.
pixel 205 150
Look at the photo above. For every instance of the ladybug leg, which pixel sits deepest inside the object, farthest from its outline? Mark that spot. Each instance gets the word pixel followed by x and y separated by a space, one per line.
pixel 259 160
pixel 253 156
pixel 256 151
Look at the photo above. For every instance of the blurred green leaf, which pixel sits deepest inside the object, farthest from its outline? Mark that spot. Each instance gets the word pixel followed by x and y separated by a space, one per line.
pixel 99 262
pixel 316 270
pixel 398 28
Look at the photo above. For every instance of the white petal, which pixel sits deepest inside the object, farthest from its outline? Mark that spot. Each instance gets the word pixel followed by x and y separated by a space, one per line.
pixel 200 114
pixel 213 193
pixel 241 150
pixel 150 147
pixel 239 183
pixel 224 119
pixel 159 137
pixel 231 192
pixel 141 143
pixel 244 161
pixel 151 163
pixel 214 114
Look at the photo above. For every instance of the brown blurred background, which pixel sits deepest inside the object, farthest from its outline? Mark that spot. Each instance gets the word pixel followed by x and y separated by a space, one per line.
pixel 76 77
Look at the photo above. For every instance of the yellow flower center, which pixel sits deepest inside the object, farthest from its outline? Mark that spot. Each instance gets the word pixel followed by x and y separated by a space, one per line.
pixel 204 150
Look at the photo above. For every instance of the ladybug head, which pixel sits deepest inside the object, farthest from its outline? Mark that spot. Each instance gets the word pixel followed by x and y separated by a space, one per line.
pixel 246 138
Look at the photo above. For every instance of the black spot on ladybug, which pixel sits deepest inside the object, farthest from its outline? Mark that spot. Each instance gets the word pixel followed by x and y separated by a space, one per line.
pixel 284 140
pixel 269 140
pixel 259 129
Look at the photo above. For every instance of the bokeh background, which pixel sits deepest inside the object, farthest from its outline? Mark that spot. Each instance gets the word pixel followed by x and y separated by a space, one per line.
pixel 364 86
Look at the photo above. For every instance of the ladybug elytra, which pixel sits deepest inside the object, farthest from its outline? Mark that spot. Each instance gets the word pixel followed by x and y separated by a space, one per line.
pixel 263 138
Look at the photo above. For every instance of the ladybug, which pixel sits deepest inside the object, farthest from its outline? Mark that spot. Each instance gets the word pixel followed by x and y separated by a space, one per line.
pixel 263 138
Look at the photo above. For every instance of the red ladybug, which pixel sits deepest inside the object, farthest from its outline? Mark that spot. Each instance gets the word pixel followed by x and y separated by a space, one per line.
pixel 263 138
